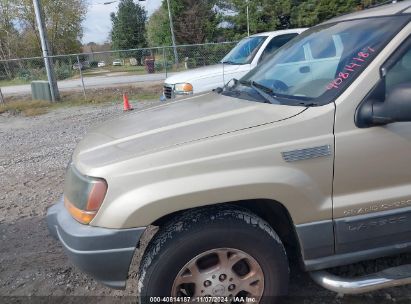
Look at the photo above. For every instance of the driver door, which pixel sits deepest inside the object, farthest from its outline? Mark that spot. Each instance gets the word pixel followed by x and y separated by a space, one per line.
pixel 372 183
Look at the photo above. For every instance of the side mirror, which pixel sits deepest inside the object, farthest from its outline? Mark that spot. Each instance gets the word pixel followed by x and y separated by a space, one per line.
pixel 395 108
pixel 218 90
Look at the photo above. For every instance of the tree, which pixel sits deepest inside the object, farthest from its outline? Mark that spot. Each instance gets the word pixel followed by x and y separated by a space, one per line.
pixel 63 20
pixel 270 15
pixel 19 35
pixel 264 15
pixel 9 45
pixel 129 30
pixel 158 29
pixel 64 24
pixel 8 32
pixel 195 21
pixel 309 13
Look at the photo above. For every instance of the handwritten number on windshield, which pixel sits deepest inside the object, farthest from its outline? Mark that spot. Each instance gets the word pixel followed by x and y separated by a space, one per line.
pixel 356 63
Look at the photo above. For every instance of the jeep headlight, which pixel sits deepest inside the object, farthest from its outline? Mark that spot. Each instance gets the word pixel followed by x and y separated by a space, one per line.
pixel 183 89
pixel 83 195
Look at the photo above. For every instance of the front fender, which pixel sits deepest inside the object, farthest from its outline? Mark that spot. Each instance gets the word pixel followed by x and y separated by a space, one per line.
pixel 298 192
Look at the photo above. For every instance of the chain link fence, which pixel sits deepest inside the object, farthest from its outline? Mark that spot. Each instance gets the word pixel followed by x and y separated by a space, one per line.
pixel 80 72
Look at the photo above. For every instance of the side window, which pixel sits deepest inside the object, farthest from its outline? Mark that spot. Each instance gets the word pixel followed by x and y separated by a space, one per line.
pixel 275 44
pixel 322 49
pixel 400 70
pixel 297 55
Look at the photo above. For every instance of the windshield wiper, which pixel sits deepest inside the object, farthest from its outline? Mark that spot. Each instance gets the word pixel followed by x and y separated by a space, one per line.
pixel 247 83
pixel 264 91
pixel 269 94
pixel 262 87
pixel 256 85
pixel 251 84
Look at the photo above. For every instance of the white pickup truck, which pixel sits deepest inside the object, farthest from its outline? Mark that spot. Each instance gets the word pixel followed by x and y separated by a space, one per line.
pixel 239 61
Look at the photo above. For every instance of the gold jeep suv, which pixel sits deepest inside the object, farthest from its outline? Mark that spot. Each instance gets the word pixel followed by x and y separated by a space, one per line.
pixel 310 151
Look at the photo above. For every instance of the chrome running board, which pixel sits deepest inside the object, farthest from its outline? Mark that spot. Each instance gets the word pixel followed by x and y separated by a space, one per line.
pixel 391 277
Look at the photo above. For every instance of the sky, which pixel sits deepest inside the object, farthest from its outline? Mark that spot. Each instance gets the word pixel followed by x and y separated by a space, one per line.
pixel 97 25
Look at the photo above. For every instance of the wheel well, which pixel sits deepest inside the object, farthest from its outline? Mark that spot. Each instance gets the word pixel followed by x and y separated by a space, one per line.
pixel 271 211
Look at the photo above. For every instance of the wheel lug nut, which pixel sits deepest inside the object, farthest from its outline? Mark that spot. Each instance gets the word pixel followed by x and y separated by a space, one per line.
pixel 231 287
pixel 207 283
pixel 222 277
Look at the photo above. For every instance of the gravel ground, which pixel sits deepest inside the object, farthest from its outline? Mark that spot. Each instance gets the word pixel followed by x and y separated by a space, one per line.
pixel 33 155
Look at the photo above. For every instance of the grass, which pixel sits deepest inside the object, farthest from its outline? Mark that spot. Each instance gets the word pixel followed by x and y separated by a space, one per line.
pixel 133 70
pixel 15 81
pixel 126 68
pixel 138 70
pixel 27 107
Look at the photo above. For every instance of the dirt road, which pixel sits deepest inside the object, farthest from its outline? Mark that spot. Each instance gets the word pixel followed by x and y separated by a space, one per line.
pixel 33 155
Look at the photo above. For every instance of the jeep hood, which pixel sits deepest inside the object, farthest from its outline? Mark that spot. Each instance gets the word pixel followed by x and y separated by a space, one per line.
pixel 176 123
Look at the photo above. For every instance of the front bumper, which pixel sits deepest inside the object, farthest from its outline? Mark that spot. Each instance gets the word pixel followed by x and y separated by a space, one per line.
pixel 105 254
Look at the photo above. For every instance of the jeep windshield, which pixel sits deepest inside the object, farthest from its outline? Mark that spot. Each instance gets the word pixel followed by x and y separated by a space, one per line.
pixel 317 66
pixel 245 51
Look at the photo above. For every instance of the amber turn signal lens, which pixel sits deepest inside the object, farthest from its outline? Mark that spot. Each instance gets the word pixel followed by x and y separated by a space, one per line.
pixel 183 89
pixel 187 87
pixel 84 217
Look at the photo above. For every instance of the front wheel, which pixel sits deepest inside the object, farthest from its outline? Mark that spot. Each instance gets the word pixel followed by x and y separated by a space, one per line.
pixel 231 254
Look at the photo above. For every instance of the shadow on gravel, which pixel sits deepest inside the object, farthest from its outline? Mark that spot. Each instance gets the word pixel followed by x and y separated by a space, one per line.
pixel 32 263
pixel 34 269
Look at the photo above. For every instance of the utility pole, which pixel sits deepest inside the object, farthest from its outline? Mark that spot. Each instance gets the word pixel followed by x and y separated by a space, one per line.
pixel 173 37
pixel 1 97
pixel 248 19
pixel 55 95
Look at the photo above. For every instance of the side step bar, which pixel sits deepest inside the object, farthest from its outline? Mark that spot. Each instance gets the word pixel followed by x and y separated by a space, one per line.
pixel 396 276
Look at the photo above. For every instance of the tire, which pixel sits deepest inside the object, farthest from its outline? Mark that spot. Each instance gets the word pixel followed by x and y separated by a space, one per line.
pixel 199 232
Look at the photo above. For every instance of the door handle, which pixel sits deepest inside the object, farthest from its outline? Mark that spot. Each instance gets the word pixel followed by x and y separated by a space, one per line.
pixel 305 69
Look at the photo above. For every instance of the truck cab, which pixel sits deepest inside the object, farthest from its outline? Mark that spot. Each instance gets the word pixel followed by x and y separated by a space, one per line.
pixel 246 55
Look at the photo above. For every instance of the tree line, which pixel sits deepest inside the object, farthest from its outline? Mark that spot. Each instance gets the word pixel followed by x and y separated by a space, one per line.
pixel 195 21
pixel 199 21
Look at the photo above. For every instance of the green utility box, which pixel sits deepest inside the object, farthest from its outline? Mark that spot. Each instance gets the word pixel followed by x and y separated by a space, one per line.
pixel 40 90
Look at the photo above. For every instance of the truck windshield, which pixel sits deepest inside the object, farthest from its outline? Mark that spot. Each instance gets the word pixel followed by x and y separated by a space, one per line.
pixel 245 51
pixel 315 67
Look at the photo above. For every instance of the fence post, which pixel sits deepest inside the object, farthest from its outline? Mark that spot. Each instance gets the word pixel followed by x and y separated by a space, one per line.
pixel 165 60
pixel 81 76
pixel 1 97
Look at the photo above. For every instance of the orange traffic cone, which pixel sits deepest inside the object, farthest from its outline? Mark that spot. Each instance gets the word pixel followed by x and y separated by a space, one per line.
pixel 127 106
